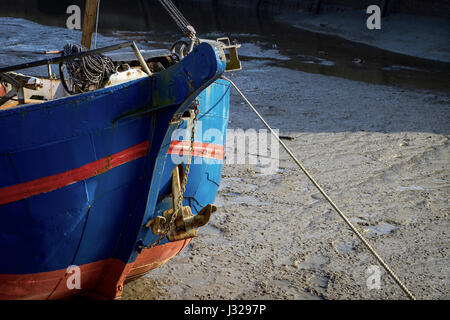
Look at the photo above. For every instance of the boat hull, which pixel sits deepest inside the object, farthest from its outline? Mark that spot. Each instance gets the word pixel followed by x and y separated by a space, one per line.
pixel 81 176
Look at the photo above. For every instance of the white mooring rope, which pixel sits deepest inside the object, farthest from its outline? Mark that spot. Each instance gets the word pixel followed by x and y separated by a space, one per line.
pixel 96 25
pixel 393 275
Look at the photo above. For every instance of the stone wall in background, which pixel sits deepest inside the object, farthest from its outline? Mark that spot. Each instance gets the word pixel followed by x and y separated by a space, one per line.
pixel 419 7
pixel 50 9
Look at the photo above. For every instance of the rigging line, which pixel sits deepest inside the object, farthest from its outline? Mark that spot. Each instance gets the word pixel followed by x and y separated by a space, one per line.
pixel 171 12
pixel 176 15
pixel 96 25
pixel 341 214
pixel 177 12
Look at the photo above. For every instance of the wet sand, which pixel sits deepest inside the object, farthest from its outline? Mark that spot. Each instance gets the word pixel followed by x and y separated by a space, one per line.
pixel 382 153
pixel 420 36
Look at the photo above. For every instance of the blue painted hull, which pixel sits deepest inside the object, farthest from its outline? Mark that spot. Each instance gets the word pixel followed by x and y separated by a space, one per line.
pixel 81 176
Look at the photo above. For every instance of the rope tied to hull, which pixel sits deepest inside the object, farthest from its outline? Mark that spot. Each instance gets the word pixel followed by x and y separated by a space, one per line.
pixel 333 205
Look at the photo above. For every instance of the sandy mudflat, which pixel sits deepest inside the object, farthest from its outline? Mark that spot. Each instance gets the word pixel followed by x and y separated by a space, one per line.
pixel 382 153
pixel 420 36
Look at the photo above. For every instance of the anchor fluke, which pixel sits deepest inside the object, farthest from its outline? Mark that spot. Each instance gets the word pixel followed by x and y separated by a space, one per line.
pixel 203 216
pixel 185 224
pixel 157 224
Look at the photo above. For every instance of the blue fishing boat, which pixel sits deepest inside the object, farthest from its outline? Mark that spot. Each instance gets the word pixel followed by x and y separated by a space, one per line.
pixel 101 183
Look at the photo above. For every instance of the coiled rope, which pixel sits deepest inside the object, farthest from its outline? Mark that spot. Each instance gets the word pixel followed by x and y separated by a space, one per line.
pixel 341 214
pixel 87 71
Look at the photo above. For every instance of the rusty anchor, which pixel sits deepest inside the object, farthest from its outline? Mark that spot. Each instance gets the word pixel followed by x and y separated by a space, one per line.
pixel 185 223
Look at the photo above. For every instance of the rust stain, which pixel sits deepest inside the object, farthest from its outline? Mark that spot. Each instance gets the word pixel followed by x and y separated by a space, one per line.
pixel 106 167
pixel 191 85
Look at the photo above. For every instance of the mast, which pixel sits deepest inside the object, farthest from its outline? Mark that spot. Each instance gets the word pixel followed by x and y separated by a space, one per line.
pixel 90 12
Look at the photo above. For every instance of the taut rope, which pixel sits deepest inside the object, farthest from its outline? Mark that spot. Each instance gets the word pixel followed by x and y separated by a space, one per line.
pixel 384 264
pixel 179 19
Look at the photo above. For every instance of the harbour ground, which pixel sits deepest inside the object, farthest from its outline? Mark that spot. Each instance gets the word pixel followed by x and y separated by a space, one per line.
pixel 371 125
pixel 380 151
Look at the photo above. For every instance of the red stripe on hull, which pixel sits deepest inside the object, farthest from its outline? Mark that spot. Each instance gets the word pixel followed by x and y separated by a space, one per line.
pixel 48 285
pixel 153 258
pixel 205 150
pixel 42 185
pixel 100 280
